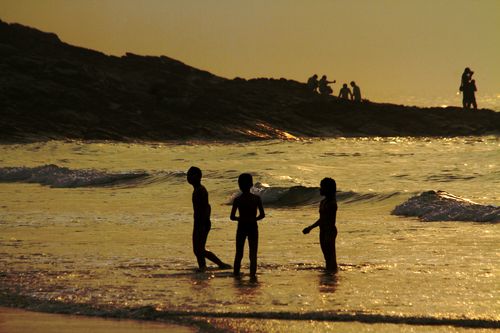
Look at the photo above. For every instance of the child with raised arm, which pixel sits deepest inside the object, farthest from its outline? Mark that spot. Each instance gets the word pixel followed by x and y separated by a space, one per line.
pixel 202 223
pixel 247 205
pixel 326 222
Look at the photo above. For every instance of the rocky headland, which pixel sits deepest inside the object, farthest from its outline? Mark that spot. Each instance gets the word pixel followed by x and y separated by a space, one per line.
pixel 53 90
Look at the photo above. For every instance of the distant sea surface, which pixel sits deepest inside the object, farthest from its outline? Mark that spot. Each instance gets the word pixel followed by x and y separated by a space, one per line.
pixel 104 228
pixel 489 101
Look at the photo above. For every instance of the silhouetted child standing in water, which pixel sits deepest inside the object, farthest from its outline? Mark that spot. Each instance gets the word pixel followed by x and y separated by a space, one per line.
pixel 247 205
pixel 326 222
pixel 202 223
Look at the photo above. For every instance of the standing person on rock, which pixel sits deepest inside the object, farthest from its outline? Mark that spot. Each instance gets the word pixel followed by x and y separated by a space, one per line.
pixel 470 95
pixel 465 87
pixel 356 92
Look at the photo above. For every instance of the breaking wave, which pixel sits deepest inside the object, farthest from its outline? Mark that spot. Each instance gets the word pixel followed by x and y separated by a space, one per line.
pixel 443 206
pixel 60 177
pixel 302 195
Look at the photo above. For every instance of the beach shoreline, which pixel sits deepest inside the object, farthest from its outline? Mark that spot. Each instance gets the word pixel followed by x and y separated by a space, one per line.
pixel 14 320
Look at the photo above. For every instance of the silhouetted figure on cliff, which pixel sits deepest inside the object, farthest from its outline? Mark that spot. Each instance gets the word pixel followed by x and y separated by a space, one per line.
pixel 202 224
pixel 345 92
pixel 466 77
pixel 312 83
pixel 247 205
pixel 470 95
pixel 326 222
pixel 356 92
pixel 468 91
pixel 323 87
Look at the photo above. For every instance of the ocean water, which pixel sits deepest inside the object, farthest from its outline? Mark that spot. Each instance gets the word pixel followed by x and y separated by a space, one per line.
pixel 104 228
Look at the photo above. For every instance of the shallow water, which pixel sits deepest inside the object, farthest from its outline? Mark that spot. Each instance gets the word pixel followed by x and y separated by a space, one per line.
pixel 126 244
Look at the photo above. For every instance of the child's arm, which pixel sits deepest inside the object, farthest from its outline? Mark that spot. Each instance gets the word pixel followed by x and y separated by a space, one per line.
pixel 261 209
pixel 233 216
pixel 329 214
pixel 311 227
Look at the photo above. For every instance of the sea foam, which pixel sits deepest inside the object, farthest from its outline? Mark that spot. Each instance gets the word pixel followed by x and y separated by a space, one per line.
pixel 55 176
pixel 443 206
pixel 299 195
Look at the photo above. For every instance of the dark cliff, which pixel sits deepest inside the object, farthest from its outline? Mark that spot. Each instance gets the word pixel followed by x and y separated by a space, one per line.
pixel 52 90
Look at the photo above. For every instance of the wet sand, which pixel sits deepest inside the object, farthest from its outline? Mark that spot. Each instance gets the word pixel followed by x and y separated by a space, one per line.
pixel 21 321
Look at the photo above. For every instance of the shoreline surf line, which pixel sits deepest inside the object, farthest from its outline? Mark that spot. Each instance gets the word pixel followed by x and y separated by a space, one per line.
pixel 343 317
pixel 20 320
pixel 189 317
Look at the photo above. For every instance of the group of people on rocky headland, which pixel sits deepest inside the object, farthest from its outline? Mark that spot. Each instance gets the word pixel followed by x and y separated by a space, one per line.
pixel 468 89
pixel 322 87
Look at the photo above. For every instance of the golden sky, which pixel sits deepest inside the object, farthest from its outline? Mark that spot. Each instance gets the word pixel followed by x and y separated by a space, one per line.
pixel 401 51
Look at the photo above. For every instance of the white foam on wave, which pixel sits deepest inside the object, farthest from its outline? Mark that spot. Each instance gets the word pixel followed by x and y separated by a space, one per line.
pixel 443 206
pixel 283 196
pixel 299 195
pixel 60 177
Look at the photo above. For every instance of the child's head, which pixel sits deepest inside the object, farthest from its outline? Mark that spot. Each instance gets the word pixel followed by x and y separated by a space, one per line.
pixel 194 175
pixel 245 182
pixel 328 187
pixel 353 83
pixel 344 85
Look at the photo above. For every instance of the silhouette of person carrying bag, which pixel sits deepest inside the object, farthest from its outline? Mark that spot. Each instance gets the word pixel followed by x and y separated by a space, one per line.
pixel 468 89
pixel 470 93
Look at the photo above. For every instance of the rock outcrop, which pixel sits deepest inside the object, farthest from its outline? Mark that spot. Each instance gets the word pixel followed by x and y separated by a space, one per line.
pixel 52 90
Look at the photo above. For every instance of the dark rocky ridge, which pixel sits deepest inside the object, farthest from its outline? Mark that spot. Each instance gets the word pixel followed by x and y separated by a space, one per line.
pixel 52 90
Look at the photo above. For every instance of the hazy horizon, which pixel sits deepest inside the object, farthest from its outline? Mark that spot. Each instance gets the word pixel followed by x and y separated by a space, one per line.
pixel 400 52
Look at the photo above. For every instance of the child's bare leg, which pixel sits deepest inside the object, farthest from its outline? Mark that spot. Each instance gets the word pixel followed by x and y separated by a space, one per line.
pixel 213 258
pixel 253 243
pixel 327 242
pixel 240 244
pixel 333 259
pixel 199 240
